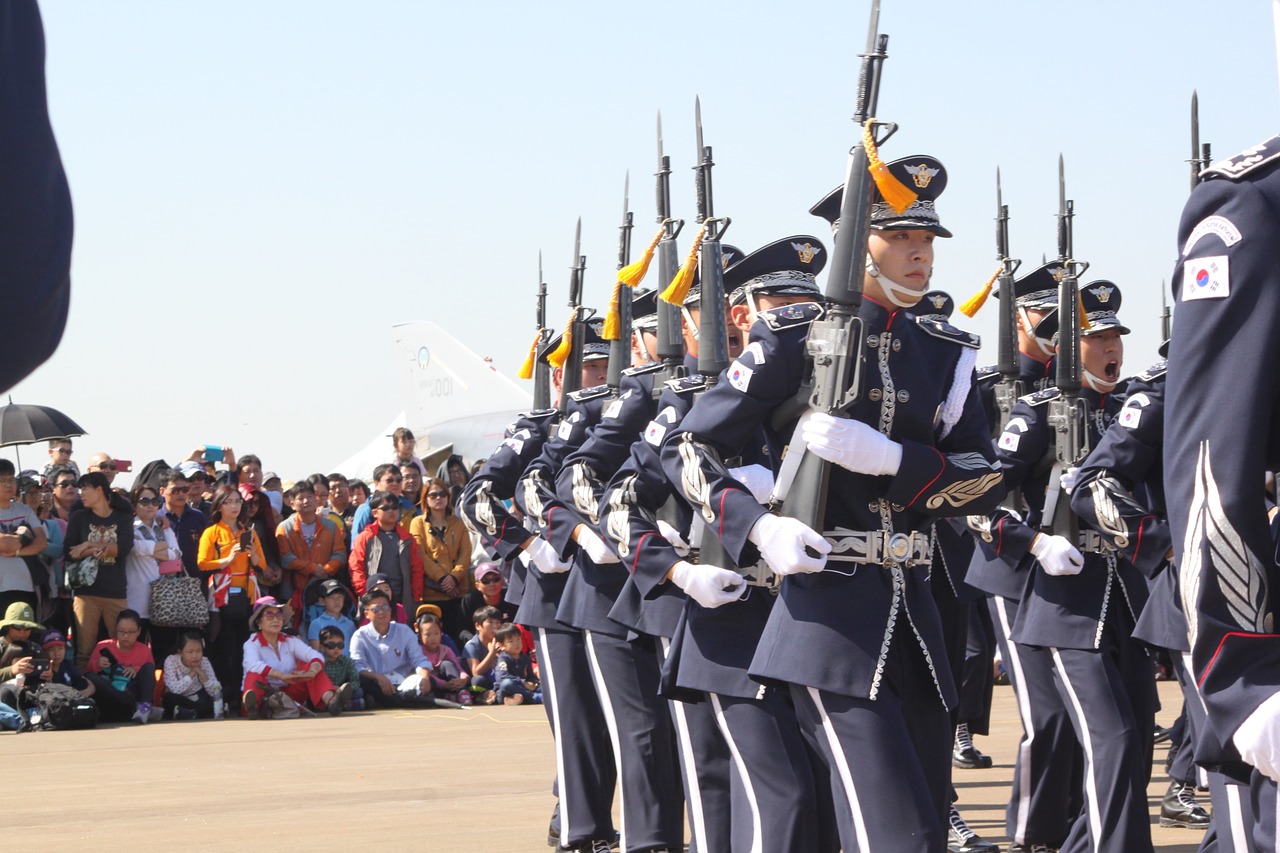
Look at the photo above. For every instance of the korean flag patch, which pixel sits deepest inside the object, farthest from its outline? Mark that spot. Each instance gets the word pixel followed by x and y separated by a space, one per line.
pixel 740 376
pixel 1206 278
pixel 612 411
pixel 1131 414
pixel 1012 435
pixel 654 433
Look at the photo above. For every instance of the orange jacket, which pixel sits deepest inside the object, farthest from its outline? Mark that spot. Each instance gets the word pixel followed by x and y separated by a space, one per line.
pixel 322 558
pixel 449 555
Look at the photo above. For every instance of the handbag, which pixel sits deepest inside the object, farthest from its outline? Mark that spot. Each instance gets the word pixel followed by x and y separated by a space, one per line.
pixel 82 573
pixel 177 601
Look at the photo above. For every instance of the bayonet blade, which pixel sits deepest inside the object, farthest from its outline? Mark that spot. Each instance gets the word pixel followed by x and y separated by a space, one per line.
pixel 999 194
pixel 577 242
pixel 540 278
pixel 659 139
pixel 697 117
pixel 875 26
pixel 626 196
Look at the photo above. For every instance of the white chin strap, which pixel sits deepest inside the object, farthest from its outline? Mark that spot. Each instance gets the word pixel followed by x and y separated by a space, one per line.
pixel 688 318
pixel 903 297
pixel 1099 384
pixel 1046 347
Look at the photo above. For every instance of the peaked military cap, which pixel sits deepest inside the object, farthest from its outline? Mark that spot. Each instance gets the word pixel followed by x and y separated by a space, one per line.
pixel 594 347
pixel 1038 289
pixel 922 174
pixel 786 267
pixel 935 305
pixel 644 309
pixel 729 255
pixel 1101 301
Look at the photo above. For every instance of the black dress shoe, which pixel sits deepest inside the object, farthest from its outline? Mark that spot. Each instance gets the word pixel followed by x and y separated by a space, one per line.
pixel 1161 735
pixel 969 759
pixel 962 839
pixel 1179 808
pixel 1032 848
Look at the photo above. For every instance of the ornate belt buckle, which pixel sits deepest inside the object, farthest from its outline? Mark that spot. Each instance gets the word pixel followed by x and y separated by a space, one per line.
pixel 898 548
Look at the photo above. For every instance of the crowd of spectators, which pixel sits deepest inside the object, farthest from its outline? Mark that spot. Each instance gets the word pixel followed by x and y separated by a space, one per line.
pixel 216 588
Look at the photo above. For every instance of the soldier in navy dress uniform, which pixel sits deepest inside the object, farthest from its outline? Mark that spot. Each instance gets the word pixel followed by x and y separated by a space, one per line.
pixel 855 635
pixel 625 673
pixel 584 768
pixel 1082 599
pixel 1221 443
pixel 1043 804
pixel 1127 465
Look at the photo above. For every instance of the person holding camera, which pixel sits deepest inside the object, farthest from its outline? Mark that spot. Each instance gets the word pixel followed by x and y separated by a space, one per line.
pixel 103 530
pixel 123 673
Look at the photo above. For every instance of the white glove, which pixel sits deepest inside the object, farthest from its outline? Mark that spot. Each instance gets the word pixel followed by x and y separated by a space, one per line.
pixel 1258 738
pixel 673 537
pixel 545 557
pixel 785 544
pixel 594 546
pixel 710 586
pixel 1057 556
pixel 758 480
pixel 851 444
pixel 1068 479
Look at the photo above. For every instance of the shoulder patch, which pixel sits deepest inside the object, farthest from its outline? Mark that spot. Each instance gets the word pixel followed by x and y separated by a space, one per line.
pixel 642 369
pixel 789 316
pixel 688 384
pixel 948 332
pixel 1155 371
pixel 539 414
pixel 1248 160
pixel 1041 397
pixel 590 393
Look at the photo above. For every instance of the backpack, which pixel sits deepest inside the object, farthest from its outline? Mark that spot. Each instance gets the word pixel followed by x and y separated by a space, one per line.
pixel 61 707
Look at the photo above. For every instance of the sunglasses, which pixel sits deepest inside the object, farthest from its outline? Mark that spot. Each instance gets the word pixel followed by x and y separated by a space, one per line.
pixel 393 479
pixel 437 494
pixel 390 508
pixel 379 608
pixel 149 501
pixel 332 645
pixel 488 581
pixel 65 484
pixel 178 490
pixel 107 466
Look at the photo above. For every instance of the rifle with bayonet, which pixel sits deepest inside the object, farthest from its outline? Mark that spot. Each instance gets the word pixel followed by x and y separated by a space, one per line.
pixel 713 344
pixel 620 347
pixel 670 342
pixel 1067 410
pixel 571 377
pixel 1009 389
pixel 1166 319
pixel 834 345
pixel 1199 153
pixel 541 370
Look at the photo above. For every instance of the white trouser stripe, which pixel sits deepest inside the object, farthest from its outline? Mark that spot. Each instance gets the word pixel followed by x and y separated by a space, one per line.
pixel 842 766
pixel 547 672
pixel 1235 820
pixel 1090 781
pixel 612 723
pixel 697 820
pixel 756 840
pixel 1026 782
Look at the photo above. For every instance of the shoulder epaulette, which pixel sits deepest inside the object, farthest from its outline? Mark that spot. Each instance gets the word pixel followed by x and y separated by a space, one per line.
pixel 1155 371
pixel 948 332
pixel 688 384
pixel 1041 397
pixel 1248 160
pixel 539 414
pixel 789 316
pixel 641 370
pixel 590 393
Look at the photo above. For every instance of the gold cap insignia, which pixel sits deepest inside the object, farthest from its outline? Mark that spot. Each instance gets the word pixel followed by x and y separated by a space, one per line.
pixel 806 251
pixel 922 175
pixel 938 300
pixel 1102 292
pixel 1058 273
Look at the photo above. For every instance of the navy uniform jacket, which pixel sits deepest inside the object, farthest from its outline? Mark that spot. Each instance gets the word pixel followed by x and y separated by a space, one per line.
pixel 482 504
pixel 1127 465
pixel 35 217
pixel 1222 436
pixel 592 589
pixel 1066 612
pixel 537 499
pixel 1035 375
pixel 832 629
pixel 629 509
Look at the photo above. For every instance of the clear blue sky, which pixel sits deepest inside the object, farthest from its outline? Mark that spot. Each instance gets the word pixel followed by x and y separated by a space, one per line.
pixel 274 184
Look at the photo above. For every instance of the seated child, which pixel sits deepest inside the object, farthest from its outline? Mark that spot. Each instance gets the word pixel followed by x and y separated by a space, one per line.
pixel 63 671
pixel 516 680
pixel 334 598
pixel 480 654
pixel 337 665
pixel 189 683
pixel 448 679
pixel 123 673
pixel 445 640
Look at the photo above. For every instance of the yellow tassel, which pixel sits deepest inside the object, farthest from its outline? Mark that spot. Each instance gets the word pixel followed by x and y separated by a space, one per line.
pixel 974 303
pixel 613 320
pixel 1085 325
pixel 898 195
pixel 634 273
pixel 679 288
pixel 526 369
pixel 558 356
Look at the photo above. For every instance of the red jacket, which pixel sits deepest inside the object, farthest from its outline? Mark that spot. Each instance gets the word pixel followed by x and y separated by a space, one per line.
pixel 366 551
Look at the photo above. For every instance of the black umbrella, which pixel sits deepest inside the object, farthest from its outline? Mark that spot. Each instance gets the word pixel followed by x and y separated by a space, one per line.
pixel 21 423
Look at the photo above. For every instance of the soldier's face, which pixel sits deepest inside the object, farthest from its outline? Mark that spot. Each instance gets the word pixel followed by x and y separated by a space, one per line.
pixel 1102 355
pixel 595 372
pixel 904 257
